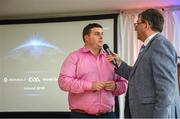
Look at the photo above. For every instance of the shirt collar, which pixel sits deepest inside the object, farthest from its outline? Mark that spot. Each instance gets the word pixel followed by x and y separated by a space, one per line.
pixel 149 38
pixel 86 50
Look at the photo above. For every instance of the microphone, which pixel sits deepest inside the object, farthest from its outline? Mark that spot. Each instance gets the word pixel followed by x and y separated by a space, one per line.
pixel 108 51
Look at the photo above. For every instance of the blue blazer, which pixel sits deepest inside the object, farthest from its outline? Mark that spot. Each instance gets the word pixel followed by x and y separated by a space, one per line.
pixel 153 81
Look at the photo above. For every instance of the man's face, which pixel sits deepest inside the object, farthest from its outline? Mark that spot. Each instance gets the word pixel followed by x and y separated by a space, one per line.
pixel 140 29
pixel 95 38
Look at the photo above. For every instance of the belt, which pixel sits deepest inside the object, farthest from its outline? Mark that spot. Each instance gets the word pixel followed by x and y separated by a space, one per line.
pixel 83 112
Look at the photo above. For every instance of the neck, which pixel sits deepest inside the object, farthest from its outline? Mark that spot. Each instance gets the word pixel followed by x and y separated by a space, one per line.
pixel 149 33
pixel 94 51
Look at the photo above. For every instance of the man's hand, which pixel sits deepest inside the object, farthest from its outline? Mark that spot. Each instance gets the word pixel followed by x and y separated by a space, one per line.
pixel 115 57
pixel 97 85
pixel 110 86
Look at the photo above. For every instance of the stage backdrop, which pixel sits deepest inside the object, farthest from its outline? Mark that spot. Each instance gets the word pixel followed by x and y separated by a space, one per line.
pixel 31 55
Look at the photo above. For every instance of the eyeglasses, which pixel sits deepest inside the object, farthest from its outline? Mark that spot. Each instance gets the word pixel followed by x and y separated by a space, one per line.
pixel 135 24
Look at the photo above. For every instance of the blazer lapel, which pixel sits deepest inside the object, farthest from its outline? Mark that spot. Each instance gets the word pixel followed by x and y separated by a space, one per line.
pixel 140 56
pixel 137 62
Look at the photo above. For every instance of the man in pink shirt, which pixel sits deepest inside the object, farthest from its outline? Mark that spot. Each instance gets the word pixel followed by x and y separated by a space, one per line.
pixel 90 79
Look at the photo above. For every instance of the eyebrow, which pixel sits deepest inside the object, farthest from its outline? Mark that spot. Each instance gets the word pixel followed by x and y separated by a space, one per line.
pixel 99 32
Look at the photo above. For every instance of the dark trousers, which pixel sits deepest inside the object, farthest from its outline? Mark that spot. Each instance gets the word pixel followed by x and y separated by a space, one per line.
pixel 127 113
pixel 83 115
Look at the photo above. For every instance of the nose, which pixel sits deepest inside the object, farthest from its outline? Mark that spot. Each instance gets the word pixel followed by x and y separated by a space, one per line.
pixel 101 36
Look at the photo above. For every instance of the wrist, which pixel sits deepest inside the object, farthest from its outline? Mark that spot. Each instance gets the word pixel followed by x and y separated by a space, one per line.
pixel 115 86
pixel 119 62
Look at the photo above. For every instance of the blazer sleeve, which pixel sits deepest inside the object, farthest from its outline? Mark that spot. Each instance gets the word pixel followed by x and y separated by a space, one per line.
pixel 124 70
pixel 164 67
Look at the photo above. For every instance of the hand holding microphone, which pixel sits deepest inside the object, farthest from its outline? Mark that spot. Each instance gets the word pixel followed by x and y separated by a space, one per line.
pixel 112 57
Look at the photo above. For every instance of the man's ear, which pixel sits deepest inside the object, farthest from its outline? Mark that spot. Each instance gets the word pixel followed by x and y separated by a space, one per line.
pixel 148 25
pixel 86 37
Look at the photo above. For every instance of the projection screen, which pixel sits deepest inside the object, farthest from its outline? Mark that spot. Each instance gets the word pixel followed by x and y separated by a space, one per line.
pixel 31 55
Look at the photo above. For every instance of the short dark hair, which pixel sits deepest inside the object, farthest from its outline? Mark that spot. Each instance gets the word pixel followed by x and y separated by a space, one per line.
pixel 87 29
pixel 154 18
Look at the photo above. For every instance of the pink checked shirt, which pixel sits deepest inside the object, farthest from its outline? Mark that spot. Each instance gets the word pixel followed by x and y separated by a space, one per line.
pixel 78 72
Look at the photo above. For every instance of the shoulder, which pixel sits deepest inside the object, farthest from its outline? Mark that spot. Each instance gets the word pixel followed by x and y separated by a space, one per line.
pixel 162 47
pixel 160 43
pixel 74 55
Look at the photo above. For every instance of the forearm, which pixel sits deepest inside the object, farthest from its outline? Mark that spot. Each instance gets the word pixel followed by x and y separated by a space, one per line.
pixel 73 85
pixel 121 87
pixel 123 70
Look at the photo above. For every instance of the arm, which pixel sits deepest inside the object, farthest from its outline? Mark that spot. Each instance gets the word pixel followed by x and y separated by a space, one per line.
pixel 164 68
pixel 121 86
pixel 124 70
pixel 118 86
pixel 68 80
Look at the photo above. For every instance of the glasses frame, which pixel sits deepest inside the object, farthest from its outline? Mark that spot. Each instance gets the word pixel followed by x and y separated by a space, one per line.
pixel 136 24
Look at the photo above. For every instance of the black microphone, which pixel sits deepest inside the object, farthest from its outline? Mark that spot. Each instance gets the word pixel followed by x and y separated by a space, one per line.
pixel 108 51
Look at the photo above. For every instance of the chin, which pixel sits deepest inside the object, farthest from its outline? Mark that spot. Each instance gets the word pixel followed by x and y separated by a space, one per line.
pixel 139 38
pixel 100 44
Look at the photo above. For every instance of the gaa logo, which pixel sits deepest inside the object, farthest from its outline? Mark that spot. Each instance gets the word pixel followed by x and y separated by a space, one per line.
pixel 34 79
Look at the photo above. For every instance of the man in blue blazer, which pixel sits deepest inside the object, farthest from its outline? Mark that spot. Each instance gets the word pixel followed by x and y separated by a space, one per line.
pixel 153 81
